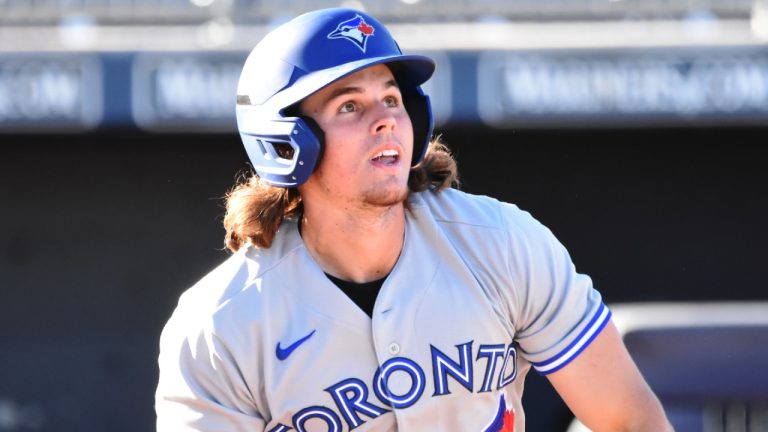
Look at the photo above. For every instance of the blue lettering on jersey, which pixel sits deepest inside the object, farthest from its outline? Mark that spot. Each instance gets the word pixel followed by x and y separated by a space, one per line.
pixel 381 382
pixel 492 353
pixel 511 355
pixel 317 412
pixel 442 366
pixel 351 394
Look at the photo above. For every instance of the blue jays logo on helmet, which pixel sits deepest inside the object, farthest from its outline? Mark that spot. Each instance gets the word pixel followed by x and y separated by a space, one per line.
pixel 355 30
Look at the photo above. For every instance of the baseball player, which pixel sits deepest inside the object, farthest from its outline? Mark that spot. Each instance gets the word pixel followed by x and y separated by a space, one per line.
pixel 365 293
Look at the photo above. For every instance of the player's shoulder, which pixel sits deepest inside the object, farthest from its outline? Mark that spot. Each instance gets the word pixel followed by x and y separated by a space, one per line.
pixel 233 281
pixel 453 206
pixel 220 285
pixel 231 302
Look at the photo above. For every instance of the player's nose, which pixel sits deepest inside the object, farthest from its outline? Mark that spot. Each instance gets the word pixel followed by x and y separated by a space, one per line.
pixel 385 121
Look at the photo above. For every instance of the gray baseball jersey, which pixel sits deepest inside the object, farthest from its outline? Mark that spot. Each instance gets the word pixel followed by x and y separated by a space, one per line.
pixel 481 293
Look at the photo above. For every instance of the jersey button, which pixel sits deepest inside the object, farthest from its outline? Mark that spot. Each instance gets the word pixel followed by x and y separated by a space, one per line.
pixel 394 348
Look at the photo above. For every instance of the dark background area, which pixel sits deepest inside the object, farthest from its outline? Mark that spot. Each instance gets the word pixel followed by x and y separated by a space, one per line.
pixel 102 231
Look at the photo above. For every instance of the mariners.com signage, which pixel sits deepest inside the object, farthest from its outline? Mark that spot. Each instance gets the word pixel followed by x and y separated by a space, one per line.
pixel 195 91
pixel 622 87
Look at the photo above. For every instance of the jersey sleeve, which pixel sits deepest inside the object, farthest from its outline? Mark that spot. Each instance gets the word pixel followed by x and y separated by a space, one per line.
pixel 556 311
pixel 200 387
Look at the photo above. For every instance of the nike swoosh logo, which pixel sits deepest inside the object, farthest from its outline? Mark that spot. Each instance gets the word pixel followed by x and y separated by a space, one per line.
pixel 283 353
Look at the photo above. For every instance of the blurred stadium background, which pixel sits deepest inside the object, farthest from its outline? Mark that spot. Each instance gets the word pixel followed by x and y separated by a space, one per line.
pixel 634 129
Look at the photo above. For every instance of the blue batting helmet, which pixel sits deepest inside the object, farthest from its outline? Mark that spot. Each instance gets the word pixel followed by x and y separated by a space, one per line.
pixel 299 58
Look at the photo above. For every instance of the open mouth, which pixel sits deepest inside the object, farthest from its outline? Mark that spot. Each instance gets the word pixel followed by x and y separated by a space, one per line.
pixel 387 157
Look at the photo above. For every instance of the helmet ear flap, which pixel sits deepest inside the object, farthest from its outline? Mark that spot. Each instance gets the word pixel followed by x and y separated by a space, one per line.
pixel 420 111
pixel 312 126
pixel 319 134
pixel 283 151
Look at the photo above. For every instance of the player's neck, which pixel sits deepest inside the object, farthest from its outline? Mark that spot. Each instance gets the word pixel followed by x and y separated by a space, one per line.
pixel 354 246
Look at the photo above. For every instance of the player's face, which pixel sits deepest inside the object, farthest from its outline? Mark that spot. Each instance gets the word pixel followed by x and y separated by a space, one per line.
pixel 368 140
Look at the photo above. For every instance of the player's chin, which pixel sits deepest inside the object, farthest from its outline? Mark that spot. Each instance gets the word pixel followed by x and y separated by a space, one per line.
pixel 386 196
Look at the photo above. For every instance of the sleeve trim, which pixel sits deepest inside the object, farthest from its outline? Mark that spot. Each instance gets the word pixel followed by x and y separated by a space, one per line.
pixel 590 332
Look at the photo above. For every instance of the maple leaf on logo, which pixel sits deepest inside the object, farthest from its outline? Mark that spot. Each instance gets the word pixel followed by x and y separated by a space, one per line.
pixel 509 421
pixel 365 29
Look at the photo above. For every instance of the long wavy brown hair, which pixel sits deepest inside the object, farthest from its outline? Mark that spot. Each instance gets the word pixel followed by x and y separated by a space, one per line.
pixel 256 209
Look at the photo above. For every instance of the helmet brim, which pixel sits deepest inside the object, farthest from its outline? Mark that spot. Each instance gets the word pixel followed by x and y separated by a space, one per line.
pixel 412 70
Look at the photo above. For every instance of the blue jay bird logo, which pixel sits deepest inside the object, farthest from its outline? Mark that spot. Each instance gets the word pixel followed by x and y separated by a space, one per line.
pixel 355 30
pixel 504 420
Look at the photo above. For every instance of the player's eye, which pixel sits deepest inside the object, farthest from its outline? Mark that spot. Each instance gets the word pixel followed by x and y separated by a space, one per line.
pixel 347 107
pixel 391 102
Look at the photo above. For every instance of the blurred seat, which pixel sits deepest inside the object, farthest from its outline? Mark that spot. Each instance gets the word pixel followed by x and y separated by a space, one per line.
pixel 707 362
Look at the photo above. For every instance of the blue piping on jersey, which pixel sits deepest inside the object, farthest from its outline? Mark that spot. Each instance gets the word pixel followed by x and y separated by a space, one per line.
pixel 594 326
